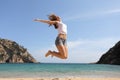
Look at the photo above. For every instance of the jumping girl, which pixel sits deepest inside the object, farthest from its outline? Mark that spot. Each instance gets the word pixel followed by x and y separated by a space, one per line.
pixel 60 41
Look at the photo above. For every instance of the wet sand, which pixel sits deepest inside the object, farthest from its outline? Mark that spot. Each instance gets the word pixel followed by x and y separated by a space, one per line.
pixel 75 78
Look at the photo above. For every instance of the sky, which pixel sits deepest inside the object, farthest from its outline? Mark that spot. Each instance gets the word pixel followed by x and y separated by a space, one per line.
pixel 93 27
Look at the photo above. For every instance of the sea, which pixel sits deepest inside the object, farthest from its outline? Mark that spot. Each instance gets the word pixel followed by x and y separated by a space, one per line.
pixel 38 70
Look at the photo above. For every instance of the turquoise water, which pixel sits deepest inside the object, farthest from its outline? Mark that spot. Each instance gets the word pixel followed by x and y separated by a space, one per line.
pixel 58 70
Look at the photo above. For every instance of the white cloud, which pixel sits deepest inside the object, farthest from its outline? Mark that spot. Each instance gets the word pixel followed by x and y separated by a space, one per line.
pixel 90 50
pixel 73 44
pixel 112 11
pixel 93 14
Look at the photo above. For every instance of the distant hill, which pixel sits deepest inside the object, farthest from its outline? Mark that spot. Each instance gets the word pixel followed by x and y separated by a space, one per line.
pixel 11 52
pixel 112 56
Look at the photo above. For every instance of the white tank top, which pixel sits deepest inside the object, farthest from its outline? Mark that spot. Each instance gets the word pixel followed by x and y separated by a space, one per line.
pixel 62 28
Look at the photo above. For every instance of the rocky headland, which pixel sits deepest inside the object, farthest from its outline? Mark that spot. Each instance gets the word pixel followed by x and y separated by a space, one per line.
pixel 112 56
pixel 12 52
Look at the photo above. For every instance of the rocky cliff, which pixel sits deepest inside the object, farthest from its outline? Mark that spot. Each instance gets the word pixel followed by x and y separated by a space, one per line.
pixel 112 56
pixel 11 52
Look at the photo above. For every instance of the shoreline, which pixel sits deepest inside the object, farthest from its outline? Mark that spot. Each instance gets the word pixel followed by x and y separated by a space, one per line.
pixel 74 78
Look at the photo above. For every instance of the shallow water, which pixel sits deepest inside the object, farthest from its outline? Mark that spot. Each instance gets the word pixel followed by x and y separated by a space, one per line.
pixel 58 70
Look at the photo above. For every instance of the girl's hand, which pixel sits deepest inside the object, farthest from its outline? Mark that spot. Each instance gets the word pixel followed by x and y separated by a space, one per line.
pixel 36 19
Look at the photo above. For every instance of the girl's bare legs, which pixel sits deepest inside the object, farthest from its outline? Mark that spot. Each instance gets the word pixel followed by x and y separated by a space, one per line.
pixel 63 53
pixel 66 50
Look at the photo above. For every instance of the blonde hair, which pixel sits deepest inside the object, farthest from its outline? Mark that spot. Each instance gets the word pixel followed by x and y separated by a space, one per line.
pixel 53 17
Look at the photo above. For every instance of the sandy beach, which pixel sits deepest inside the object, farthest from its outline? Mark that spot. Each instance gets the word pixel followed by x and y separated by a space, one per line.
pixel 60 78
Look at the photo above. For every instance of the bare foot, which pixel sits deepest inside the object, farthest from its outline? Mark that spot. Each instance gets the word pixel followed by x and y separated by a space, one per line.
pixel 48 53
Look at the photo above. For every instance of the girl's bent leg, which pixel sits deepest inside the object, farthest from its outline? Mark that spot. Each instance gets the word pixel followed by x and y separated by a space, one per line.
pixel 66 51
pixel 48 53
pixel 62 51
pixel 53 53
pixel 62 54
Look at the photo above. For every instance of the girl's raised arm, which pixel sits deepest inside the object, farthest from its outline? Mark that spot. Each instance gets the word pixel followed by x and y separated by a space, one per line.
pixel 46 21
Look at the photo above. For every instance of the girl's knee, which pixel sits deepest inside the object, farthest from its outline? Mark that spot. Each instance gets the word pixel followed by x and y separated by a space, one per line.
pixel 64 57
